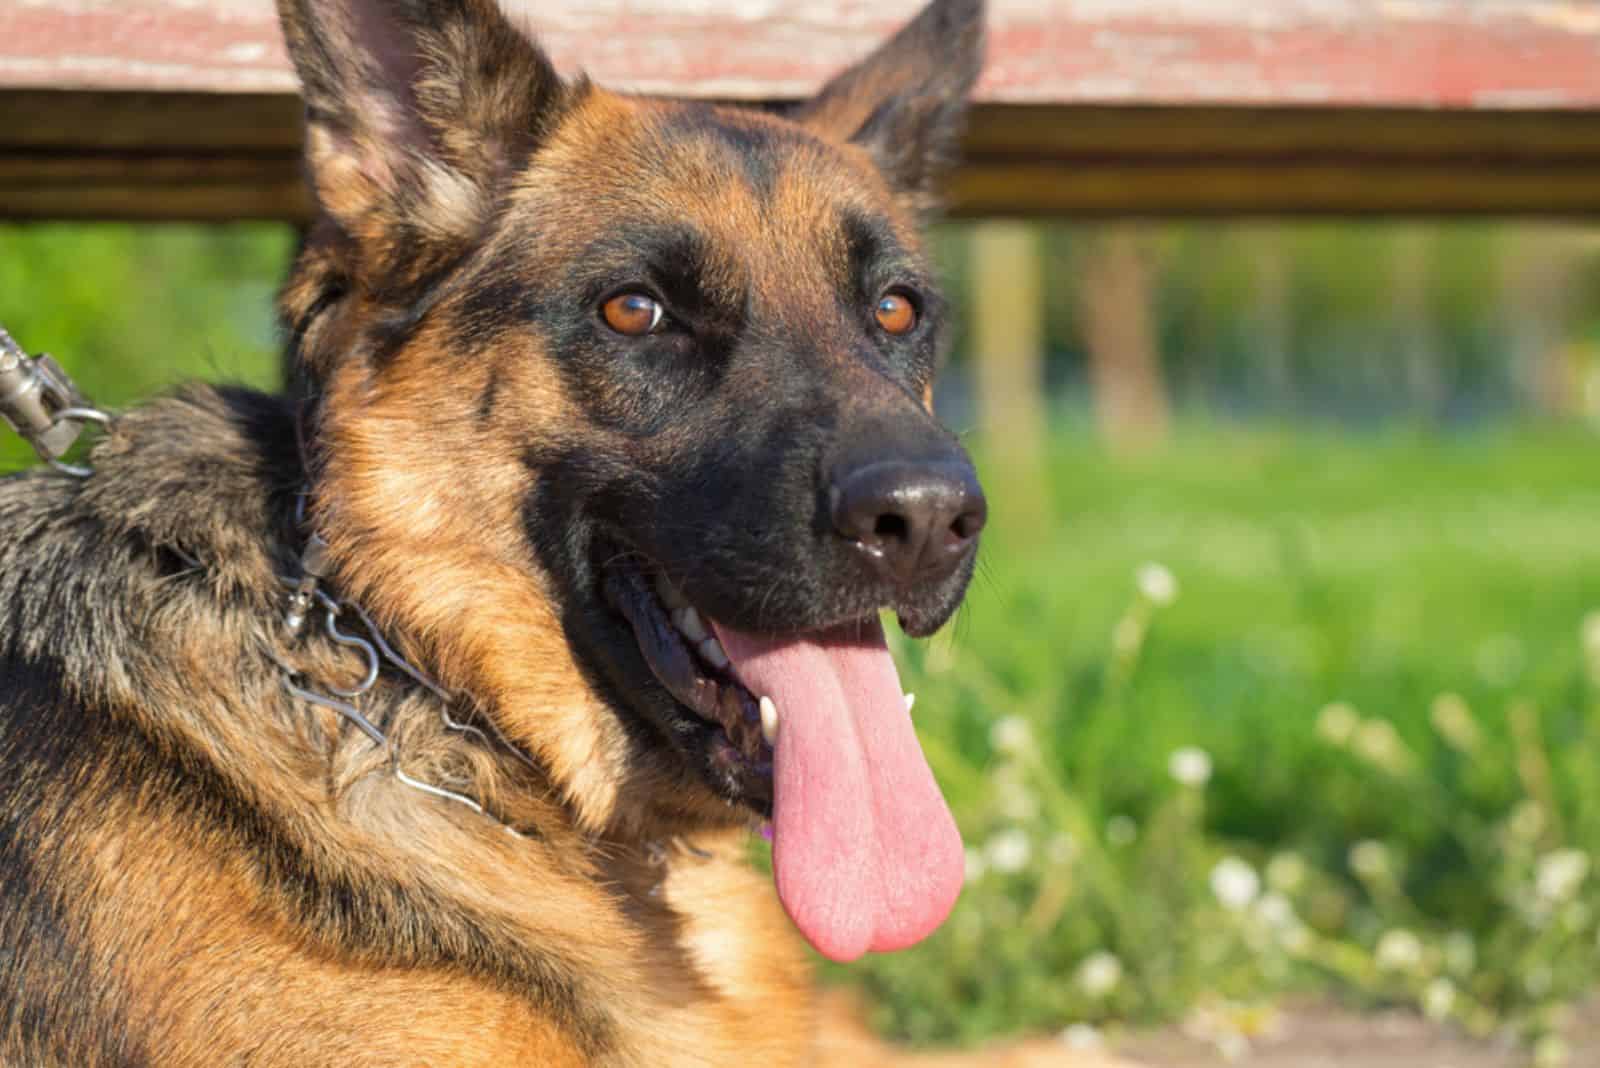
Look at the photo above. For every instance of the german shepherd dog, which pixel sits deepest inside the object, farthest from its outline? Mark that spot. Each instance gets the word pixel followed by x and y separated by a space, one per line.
pixel 612 415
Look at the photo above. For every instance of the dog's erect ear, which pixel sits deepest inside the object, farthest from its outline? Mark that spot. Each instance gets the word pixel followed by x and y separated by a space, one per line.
pixel 415 109
pixel 905 103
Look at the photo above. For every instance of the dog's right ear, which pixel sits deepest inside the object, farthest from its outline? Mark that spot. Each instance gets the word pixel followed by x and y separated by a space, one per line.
pixel 415 110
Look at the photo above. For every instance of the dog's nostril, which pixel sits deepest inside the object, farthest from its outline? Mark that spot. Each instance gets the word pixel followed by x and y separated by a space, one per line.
pixel 968 524
pixel 892 527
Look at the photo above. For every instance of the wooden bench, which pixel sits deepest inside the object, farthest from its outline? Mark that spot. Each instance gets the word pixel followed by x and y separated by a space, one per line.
pixel 185 109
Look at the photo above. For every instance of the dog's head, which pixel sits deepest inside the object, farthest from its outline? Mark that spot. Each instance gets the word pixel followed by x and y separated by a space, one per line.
pixel 619 410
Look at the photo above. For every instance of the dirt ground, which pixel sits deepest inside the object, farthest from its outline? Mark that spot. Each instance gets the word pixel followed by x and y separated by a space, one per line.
pixel 1324 1037
pixel 1306 1036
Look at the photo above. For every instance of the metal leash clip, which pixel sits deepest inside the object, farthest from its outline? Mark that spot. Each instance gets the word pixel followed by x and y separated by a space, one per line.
pixel 39 401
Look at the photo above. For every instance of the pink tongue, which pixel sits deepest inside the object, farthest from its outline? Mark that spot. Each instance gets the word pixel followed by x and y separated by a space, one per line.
pixel 866 853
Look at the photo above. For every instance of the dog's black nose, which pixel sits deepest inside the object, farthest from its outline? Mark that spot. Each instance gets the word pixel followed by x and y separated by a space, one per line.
pixel 912 521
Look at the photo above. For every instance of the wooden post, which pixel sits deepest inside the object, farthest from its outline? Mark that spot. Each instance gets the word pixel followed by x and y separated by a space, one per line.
pixel 1270 313
pixel 1130 393
pixel 1007 316
pixel 1414 327
pixel 1541 287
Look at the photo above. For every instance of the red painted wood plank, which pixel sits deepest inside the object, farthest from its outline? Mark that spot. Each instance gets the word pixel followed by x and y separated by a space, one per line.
pixel 1458 54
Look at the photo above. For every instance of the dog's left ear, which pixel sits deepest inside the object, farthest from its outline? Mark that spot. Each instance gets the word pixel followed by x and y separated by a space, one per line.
pixel 906 102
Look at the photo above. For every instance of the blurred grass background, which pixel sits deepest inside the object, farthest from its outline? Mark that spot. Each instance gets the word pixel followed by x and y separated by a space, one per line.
pixel 1282 672
pixel 132 310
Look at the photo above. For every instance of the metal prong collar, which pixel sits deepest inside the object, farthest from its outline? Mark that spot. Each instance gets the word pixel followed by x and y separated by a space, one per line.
pixel 313 569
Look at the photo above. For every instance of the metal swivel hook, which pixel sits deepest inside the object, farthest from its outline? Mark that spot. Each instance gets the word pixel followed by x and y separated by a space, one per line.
pixel 42 404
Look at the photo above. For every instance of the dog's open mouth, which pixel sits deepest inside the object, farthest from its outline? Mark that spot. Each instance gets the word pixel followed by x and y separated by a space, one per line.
pixel 865 852
pixel 689 661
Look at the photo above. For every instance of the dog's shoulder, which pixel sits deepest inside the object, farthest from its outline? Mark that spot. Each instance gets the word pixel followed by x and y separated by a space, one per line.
pixel 197 482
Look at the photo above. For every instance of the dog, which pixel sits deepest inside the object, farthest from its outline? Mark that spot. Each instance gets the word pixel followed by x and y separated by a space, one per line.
pixel 422 713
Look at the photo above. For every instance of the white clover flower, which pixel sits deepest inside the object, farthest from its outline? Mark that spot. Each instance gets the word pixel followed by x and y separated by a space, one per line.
pixel 1082 1036
pixel 1296 939
pixel 1551 1051
pixel 1453 720
pixel 976 867
pixel 1015 800
pixel 1369 858
pixel 1235 883
pixel 1062 849
pixel 1277 915
pixel 1121 831
pixel 1011 736
pixel 1337 723
pixel 1286 872
pixel 1438 999
pixel 1008 852
pixel 1399 951
pixel 1559 875
pixel 1379 744
pixel 1232 1046
pixel 1190 766
pixel 1099 974
pixel 1157 584
pixel 1275 911
pixel 1227 1027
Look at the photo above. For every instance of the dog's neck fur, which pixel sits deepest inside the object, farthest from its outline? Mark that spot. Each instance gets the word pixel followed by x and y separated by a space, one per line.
pixel 221 540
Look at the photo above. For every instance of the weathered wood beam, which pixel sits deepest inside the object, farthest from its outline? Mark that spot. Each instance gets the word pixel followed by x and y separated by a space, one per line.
pixel 215 157
pixel 157 109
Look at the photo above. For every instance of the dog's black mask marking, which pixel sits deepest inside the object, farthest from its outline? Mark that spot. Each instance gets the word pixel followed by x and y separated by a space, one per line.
pixel 711 446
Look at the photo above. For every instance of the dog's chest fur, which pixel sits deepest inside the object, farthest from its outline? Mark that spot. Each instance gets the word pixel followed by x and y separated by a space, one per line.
pixel 198 869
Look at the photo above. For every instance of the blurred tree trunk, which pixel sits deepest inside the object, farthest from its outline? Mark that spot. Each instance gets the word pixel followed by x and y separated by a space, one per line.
pixel 1130 396
pixel 1269 312
pixel 1540 291
pixel 1413 323
pixel 1008 339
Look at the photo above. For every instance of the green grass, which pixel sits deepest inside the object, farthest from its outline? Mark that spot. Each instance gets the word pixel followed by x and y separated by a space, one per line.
pixel 1375 573
pixel 130 310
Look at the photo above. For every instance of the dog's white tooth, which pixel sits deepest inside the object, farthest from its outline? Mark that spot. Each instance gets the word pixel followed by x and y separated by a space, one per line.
pixel 769 720
pixel 711 649
pixel 911 700
pixel 688 621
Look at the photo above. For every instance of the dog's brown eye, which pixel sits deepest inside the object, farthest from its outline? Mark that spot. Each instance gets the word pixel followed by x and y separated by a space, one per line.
pixel 896 314
pixel 633 314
